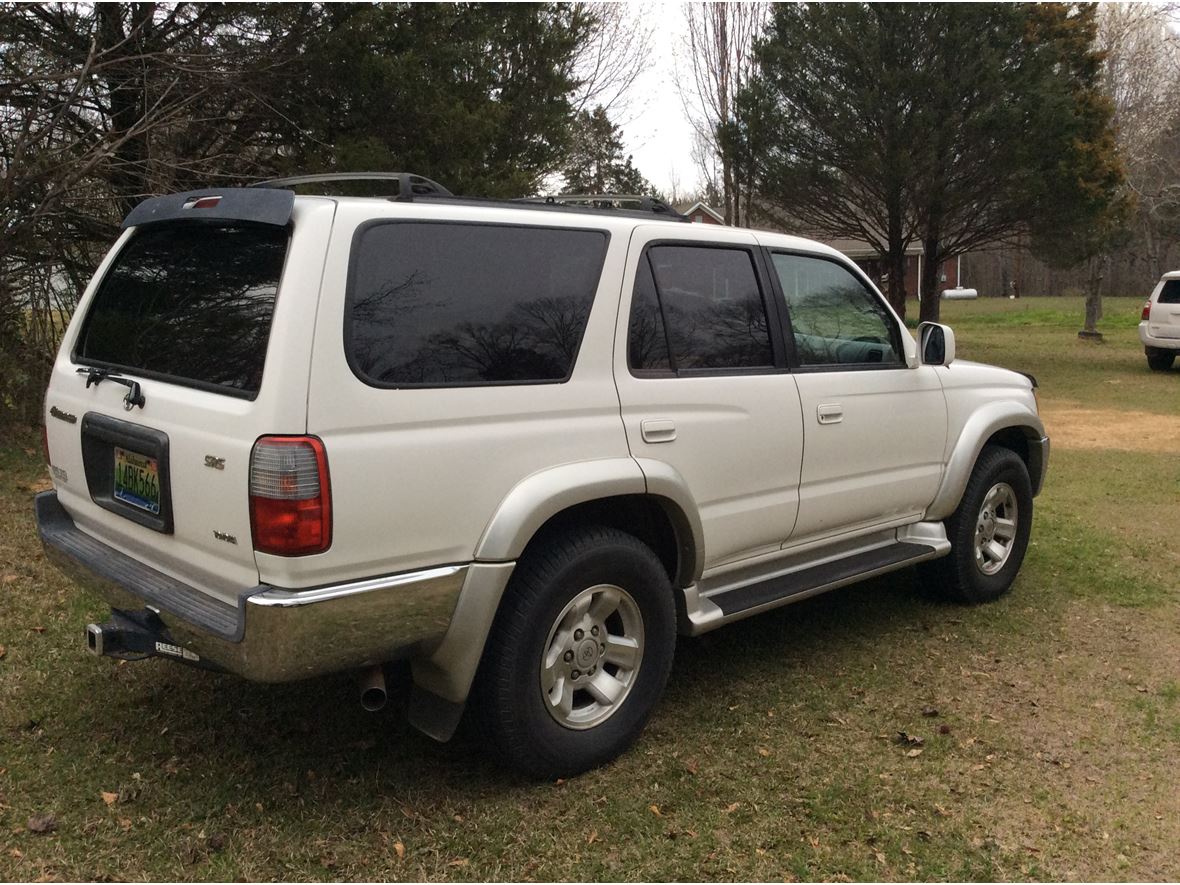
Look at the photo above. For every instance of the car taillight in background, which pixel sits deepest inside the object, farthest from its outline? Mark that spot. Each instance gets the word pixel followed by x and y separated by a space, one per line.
pixel 290 496
pixel 1146 315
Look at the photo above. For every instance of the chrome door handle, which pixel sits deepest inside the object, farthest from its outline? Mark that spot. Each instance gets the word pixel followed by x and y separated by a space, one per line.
pixel 830 413
pixel 657 430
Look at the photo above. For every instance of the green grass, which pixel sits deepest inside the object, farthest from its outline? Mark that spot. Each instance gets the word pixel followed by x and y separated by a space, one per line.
pixel 772 756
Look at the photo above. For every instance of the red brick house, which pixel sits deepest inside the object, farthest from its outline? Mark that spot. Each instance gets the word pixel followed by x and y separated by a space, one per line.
pixel 699 213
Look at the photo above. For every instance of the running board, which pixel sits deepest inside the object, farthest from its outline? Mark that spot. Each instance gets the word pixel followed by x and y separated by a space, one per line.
pixel 752 595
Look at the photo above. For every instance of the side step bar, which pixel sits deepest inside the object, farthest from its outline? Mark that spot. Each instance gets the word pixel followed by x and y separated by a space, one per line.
pixel 731 602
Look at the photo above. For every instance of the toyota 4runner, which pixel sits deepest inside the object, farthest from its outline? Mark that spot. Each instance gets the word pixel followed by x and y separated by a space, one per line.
pixel 521 444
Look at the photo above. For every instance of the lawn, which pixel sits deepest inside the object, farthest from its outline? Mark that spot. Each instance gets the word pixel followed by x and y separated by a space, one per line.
pixel 1040 733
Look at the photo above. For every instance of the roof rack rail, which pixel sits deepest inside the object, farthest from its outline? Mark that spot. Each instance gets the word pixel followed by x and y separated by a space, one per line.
pixel 609 201
pixel 409 185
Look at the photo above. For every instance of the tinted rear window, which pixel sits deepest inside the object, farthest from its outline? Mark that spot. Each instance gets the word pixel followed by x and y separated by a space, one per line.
pixel 713 307
pixel 1170 293
pixel 463 304
pixel 190 302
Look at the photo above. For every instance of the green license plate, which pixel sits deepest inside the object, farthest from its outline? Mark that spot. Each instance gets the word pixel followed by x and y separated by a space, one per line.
pixel 137 480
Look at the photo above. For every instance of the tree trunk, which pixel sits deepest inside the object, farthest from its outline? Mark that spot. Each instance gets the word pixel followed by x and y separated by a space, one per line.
pixel 895 258
pixel 1094 298
pixel 928 285
pixel 895 267
pixel 127 98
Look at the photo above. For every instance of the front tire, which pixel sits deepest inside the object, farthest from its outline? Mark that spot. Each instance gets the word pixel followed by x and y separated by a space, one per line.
pixel 988 531
pixel 579 653
pixel 1159 360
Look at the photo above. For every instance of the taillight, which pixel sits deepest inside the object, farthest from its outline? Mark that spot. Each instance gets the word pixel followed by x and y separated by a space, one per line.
pixel 1146 315
pixel 290 497
pixel 45 442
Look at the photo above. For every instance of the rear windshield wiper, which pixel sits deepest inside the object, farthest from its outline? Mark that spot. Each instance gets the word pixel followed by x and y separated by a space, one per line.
pixel 96 375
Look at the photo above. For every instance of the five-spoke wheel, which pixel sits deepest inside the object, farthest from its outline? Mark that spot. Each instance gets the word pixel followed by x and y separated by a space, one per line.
pixel 579 652
pixel 988 531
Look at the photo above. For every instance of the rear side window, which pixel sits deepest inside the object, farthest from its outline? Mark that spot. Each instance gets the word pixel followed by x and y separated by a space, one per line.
pixel 1170 293
pixel 190 303
pixel 435 304
pixel 707 303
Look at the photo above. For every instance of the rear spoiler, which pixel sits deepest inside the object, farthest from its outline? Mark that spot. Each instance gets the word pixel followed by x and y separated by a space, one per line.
pixel 259 205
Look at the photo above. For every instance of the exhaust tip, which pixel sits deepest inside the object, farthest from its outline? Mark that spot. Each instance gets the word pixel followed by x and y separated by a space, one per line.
pixel 372 684
pixel 94 639
pixel 373 699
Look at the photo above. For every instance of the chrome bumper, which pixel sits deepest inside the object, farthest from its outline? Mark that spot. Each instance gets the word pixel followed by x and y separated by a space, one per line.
pixel 272 634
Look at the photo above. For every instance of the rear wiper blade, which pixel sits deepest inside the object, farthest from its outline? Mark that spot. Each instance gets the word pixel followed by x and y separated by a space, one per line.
pixel 96 375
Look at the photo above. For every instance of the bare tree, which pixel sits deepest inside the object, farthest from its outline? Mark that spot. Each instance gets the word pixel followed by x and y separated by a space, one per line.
pixel 719 44
pixel 1141 75
pixel 614 52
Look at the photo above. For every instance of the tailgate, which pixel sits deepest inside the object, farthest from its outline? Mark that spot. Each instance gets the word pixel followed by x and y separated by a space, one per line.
pixel 193 340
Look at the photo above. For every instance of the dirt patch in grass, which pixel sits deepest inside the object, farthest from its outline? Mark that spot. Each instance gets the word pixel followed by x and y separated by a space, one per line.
pixel 1073 426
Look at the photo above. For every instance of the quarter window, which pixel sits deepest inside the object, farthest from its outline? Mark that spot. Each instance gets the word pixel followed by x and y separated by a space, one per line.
pixel 836 320
pixel 1170 293
pixel 707 304
pixel 464 304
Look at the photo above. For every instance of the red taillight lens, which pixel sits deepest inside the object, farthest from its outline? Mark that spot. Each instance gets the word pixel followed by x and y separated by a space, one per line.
pixel 1146 315
pixel 290 497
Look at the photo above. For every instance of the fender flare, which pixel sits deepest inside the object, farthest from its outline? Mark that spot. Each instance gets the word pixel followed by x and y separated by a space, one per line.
pixel 539 497
pixel 980 427
pixel 443 678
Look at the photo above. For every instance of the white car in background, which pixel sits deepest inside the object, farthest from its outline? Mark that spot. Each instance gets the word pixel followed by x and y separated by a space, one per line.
pixel 1159 327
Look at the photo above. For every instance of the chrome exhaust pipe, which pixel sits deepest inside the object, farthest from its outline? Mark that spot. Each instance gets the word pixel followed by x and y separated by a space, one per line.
pixel 373 695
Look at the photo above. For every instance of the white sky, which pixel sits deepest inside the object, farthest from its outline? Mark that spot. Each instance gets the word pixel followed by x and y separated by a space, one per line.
pixel 656 131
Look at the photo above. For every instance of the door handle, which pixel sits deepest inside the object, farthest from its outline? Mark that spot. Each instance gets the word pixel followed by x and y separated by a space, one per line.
pixel 830 413
pixel 657 430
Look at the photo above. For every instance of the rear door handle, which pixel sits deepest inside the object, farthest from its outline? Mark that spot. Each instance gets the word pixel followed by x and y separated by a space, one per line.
pixel 657 430
pixel 830 413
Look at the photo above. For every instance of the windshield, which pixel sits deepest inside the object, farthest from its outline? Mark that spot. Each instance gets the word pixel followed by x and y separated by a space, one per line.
pixel 191 303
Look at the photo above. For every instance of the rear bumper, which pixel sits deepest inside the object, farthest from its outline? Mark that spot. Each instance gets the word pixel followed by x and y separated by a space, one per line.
pixel 272 634
pixel 1150 340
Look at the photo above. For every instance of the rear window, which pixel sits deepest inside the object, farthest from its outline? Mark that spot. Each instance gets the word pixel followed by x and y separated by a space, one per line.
pixel 438 304
pixel 1170 293
pixel 191 303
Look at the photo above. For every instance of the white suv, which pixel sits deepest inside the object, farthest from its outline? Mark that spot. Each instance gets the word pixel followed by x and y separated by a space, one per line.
pixel 1159 327
pixel 521 444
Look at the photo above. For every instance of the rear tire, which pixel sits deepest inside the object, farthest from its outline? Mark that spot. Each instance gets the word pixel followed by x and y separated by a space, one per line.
pixel 1159 360
pixel 988 531
pixel 579 653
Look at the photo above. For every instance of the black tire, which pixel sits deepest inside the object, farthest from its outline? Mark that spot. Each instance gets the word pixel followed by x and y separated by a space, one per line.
pixel 958 575
pixel 510 704
pixel 1160 360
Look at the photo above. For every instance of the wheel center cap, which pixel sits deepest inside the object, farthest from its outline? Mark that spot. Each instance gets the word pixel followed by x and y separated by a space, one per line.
pixel 586 653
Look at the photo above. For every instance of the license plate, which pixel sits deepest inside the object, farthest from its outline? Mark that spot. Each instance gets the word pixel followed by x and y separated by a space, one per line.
pixel 137 480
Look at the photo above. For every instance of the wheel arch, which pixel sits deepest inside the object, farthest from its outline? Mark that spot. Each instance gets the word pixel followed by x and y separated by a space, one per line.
pixel 1009 425
pixel 651 502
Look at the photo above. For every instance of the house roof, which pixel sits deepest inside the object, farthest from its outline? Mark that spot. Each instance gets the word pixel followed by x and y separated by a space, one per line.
pixel 861 249
pixel 698 206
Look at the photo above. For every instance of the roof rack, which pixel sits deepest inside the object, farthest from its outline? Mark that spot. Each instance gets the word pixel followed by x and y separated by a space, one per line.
pixel 409 185
pixel 609 201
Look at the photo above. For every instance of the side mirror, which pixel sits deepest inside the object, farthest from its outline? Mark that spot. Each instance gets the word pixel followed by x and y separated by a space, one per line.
pixel 936 343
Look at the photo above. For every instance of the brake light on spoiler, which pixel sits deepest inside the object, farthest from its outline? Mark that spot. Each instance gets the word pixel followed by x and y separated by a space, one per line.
pixel 290 496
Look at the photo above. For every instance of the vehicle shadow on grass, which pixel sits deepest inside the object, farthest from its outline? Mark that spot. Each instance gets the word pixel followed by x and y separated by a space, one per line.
pixel 267 738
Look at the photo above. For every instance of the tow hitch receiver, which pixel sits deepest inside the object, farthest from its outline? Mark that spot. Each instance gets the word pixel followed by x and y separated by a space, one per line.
pixel 136 635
